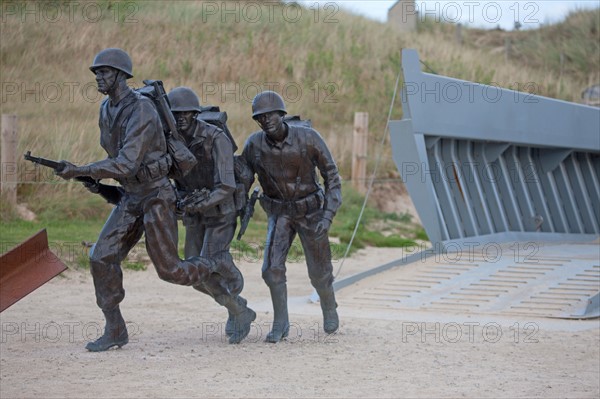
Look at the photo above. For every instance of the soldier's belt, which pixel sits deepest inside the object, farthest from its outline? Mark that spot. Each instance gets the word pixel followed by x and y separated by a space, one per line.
pixel 151 172
pixel 298 207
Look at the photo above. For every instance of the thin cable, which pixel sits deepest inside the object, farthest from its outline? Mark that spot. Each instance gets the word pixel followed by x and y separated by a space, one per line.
pixel 372 179
pixel 428 67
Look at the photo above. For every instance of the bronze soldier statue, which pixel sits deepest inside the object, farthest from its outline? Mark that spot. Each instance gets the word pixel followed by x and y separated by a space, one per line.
pixel 285 158
pixel 132 135
pixel 211 222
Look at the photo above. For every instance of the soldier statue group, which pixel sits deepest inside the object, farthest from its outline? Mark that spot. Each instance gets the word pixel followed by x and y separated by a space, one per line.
pixel 283 155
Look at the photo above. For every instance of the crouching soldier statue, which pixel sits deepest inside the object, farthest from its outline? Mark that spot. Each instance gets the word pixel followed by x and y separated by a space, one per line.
pixel 211 221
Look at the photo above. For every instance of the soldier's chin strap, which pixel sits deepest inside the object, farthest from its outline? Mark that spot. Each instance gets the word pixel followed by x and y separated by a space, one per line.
pixel 315 296
pixel 112 86
pixel 114 83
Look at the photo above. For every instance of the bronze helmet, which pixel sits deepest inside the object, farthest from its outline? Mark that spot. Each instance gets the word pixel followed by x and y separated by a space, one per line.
pixel 184 99
pixel 267 101
pixel 114 58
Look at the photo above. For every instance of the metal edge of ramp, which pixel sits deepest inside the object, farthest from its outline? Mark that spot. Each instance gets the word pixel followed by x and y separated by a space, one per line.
pixel 27 267
pixel 592 310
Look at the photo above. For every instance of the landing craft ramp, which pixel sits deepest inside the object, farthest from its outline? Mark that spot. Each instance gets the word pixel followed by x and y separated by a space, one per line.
pixel 519 278
pixel 507 187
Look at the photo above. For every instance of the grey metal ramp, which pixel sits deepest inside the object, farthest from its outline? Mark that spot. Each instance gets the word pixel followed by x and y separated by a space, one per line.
pixel 481 166
pixel 549 279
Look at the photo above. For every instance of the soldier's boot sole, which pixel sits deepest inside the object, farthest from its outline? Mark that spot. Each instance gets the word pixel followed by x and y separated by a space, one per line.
pixel 277 334
pixel 106 342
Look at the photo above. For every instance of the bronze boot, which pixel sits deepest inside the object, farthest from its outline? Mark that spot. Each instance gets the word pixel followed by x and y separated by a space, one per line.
pixel 331 320
pixel 242 317
pixel 115 332
pixel 230 325
pixel 281 323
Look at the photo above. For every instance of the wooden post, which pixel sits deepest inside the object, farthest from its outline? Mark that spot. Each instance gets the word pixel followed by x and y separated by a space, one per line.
pixel 359 151
pixel 458 34
pixel 507 49
pixel 9 158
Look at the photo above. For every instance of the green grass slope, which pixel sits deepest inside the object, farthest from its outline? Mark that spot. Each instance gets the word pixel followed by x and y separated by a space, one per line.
pixel 328 64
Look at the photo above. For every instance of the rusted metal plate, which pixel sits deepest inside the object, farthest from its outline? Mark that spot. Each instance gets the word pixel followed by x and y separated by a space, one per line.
pixel 26 267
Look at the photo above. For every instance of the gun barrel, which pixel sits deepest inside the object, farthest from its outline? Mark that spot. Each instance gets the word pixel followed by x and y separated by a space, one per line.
pixel 43 161
pixel 165 108
pixel 54 165
pixel 112 194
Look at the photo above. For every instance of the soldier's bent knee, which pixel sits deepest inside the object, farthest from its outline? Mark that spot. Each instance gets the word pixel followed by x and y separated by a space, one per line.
pixel 175 276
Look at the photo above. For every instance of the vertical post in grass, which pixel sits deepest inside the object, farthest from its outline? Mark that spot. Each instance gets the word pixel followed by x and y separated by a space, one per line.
pixel 507 49
pixel 359 151
pixel 9 158
pixel 458 38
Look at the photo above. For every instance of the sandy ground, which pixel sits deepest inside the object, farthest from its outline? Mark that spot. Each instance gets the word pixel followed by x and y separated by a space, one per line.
pixel 177 348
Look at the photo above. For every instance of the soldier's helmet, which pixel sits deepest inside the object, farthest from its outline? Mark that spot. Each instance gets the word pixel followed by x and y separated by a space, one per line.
pixel 184 99
pixel 115 58
pixel 267 101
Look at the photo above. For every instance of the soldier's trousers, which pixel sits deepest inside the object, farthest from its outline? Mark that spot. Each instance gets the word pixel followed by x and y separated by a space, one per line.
pixel 211 238
pixel 151 210
pixel 281 231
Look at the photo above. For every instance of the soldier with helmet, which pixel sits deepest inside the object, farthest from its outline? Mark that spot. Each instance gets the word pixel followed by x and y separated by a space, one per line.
pixel 210 224
pixel 132 135
pixel 285 157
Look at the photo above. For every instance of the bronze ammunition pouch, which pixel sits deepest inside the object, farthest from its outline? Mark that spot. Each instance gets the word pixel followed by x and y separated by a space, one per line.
pixel 153 171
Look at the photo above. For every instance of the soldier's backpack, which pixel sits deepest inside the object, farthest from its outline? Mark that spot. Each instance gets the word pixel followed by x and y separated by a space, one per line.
pixel 297 121
pixel 213 115
pixel 183 159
